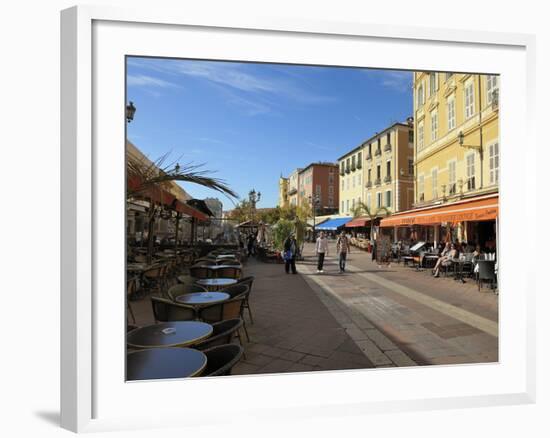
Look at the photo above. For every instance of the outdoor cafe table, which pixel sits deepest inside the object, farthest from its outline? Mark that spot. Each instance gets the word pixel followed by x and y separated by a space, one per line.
pixel 164 363
pixel 139 267
pixel 216 283
pixel 169 334
pixel 216 267
pixel 202 298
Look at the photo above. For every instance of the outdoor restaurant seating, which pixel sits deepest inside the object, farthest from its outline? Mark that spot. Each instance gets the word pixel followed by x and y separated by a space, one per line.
pixel 223 333
pixel 486 273
pixel 131 287
pixel 230 309
pixel 221 359
pixel 249 281
pixel 228 272
pixel 166 310
pixel 236 290
pixel 180 289
pixel 154 278
pixel 201 272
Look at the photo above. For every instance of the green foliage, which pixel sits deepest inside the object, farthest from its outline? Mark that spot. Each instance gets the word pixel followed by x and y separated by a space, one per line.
pixel 281 231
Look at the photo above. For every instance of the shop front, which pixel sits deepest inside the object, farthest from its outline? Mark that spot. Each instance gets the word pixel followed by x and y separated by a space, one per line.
pixel 473 221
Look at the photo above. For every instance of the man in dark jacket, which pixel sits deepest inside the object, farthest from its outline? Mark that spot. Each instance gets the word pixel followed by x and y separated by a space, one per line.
pixel 290 248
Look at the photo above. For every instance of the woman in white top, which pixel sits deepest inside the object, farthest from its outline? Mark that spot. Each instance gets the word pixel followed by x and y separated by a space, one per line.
pixel 321 247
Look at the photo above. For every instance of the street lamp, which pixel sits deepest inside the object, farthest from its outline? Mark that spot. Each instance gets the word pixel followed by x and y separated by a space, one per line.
pixel 314 201
pixel 130 111
pixel 254 198
pixel 461 142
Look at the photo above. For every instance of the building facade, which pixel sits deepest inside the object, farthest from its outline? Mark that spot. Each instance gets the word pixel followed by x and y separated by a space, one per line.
pixel 293 187
pixel 456 159
pixel 379 172
pixel 388 169
pixel 319 181
pixel 283 192
pixel 456 128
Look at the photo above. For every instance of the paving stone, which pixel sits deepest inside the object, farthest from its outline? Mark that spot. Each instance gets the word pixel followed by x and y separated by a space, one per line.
pixel 399 358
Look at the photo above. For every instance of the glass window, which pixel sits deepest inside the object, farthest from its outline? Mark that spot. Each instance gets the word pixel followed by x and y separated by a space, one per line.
pixel 469 100
pixel 420 138
pixel 433 83
pixel 411 136
pixel 411 167
pixel 451 118
pixel 369 200
pixel 388 168
pixel 448 76
pixel 434 183
pixel 493 163
pixel 420 95
pixel 421 187
pixel 434 124
pixel 378 172
pixel 452 177
pixel 378 199
pixel 492 86
pixel 388 198
pixel 470 172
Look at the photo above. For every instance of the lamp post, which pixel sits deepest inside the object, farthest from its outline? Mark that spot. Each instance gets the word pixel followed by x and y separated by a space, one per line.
pixel 130 111
pixel 253 197
pixel 314 201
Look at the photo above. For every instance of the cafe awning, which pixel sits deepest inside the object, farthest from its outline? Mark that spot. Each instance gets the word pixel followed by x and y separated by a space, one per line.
pixel 333 224
pixel 482 208
pixel 358 222
pixel 162 196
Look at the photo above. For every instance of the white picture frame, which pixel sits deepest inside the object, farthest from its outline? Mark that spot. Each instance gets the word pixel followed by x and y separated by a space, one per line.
pixel 93 39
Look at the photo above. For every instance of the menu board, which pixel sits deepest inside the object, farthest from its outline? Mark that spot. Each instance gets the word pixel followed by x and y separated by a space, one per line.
pixel 383 250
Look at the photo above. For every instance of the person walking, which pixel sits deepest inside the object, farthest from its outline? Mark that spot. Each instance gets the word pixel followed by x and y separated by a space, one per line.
pixel 321 247
pixel 342 249
pixel 290 248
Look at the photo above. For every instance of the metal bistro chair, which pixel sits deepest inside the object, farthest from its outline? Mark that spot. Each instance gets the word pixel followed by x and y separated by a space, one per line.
pixel 486 273
pixel 230 309
pixel 131 287
pixel 229 272
pixel 201 272
pixel 221 359
pixel 249 281
pixel 223 332
pixel 154 278
pixel 182 289
pixel 166 310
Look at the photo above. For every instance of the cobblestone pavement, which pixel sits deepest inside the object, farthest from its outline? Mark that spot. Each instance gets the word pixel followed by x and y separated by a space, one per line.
pixel 367 317
pixel 414 318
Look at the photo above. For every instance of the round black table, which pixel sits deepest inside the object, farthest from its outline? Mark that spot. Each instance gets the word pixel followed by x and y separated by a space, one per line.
pixel 169 334
pixel 164 363
pixel 216 283
pixel 202 298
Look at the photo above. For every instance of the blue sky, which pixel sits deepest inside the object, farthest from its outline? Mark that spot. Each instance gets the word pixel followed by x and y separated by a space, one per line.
pixel 251 122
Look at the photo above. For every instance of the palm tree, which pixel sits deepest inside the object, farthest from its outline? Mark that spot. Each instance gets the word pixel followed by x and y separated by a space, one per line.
pixel 363 209
pixel 158 173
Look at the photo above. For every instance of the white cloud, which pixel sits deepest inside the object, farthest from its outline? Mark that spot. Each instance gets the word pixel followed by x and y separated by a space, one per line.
pixel 147 81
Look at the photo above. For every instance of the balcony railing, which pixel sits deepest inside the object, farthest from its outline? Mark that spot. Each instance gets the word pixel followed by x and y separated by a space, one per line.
pixel 293 191
pixel 369 184
pixel 378 152
pixel 369 156
pixel 359 164
pixel 347 169
pixel 471 183
pixel 342 171
pixel 377 182
pixel 387 179
pixel 353 167
pixel 387 148
pixel 452 189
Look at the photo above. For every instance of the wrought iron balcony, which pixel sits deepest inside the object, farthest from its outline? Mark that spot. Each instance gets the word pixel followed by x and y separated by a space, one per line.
pixel 342 171
pixel 387 178
pixel 359 164
pixel 369 184
pixel 369 156
pixel 377 182
pixel 387 148
pixel 348 169
pixel 353 167
pixel 378 152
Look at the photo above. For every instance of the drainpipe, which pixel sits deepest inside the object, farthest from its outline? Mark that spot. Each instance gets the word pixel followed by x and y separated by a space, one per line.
pixel 480 134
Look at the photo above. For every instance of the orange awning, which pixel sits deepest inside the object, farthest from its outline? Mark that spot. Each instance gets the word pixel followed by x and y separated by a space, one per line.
pixel 477 209
pixel 359 222
pixel 162 196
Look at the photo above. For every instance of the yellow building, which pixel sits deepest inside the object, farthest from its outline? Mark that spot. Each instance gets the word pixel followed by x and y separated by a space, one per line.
pixel 293 187
pixel 456 158
pixel 283 192
pixel 351 180
pixel 388 169
pixel 379 172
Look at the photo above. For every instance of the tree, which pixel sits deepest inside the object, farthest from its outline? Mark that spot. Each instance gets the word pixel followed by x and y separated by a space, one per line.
pixel 281 230
pixel 363 209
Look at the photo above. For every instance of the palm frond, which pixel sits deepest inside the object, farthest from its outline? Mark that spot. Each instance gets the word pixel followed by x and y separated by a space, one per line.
pixel 159 173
